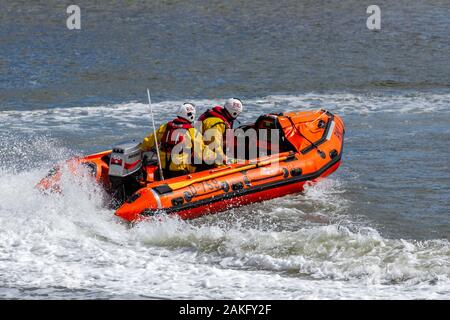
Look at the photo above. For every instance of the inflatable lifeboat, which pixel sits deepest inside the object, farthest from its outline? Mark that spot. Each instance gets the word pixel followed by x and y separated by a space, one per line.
pixel 308 147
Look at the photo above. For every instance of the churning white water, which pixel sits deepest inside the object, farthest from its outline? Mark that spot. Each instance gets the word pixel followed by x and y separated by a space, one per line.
pixel 327 243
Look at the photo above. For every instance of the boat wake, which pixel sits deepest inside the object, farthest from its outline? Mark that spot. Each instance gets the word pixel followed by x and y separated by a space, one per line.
pixel 69 245
pixel 313 245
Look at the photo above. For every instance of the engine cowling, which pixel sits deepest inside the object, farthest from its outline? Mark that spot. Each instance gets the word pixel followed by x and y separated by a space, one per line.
pixel 125 171
pixel 126 159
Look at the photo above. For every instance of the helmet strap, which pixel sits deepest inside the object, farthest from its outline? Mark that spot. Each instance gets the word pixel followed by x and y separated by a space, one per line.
pixel 184 119
pixel 228 115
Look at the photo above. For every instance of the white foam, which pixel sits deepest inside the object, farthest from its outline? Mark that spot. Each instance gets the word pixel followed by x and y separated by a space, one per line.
pixel 70 241
pixel 301 246
pixel 136 114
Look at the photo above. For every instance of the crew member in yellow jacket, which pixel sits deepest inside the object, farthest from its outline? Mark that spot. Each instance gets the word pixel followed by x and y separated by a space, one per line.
pixel 215 123
pixel 181 145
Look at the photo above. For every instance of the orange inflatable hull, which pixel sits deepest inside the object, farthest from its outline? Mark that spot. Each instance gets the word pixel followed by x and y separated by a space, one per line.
pixel 315 146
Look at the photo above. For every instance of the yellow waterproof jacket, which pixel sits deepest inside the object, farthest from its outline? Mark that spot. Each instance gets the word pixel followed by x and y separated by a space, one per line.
pixel 193 148
pixel 214 130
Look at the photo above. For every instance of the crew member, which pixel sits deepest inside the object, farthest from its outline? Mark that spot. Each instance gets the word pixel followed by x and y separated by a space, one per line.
pixel 180 143
pixel 215 123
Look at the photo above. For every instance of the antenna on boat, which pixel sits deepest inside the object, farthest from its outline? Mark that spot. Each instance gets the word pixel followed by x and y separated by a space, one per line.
pixel 154 134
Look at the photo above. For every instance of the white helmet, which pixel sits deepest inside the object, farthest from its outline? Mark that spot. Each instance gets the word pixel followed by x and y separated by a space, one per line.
pixel 187 112
pixel 234 107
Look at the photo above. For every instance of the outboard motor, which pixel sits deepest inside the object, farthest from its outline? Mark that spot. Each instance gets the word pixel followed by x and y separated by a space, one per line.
pixel 125 170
